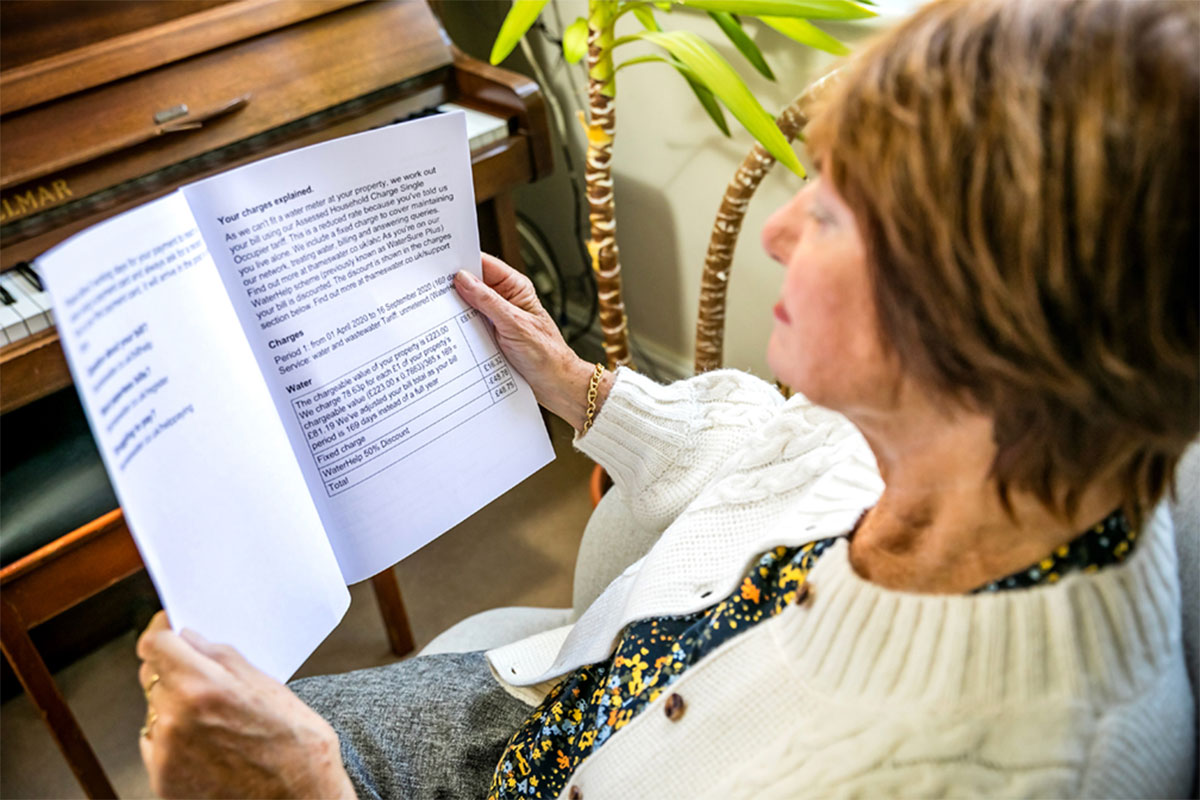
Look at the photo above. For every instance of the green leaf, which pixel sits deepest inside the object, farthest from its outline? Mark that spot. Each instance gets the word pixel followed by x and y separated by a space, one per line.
pixel 520 18
pixel 746 45
pixel 664 6
pixel 806 33
pixel 715 74
pixel 646 17
pixel 810 9
pixel 641 60
pixel 708 101
pixel 575 41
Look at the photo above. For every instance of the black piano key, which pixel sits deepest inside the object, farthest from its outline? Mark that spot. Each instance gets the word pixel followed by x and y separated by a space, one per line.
pixel 6 298
pixel 25 269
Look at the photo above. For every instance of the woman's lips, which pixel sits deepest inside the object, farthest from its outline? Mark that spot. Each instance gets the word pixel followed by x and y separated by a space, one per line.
pixel 780 314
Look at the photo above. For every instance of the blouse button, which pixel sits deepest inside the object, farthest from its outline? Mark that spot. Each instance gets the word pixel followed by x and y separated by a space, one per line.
pixel 575 794
pixel 803 594
pixel 674 708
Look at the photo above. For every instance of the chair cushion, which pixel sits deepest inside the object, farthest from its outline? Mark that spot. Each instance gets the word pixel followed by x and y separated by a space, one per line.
pixel 496 628
pixel 612 540
pixel 51 477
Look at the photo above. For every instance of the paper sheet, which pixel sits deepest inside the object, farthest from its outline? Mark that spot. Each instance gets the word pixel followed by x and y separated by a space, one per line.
pixel 191 439
pixel 339 261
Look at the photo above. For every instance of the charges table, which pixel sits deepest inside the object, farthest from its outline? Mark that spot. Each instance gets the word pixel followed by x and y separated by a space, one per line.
pixel 370 418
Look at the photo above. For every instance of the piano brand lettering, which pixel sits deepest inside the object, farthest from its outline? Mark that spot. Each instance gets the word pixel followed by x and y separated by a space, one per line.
pixel 19 204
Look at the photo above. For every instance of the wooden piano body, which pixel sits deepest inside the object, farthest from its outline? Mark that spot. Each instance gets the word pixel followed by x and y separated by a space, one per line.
pixel 106 104
pixel 81 141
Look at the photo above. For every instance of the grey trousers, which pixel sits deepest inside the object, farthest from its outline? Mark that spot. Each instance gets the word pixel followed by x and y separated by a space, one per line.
pixel 429 727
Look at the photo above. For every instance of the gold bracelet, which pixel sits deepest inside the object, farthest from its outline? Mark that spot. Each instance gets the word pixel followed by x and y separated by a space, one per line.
pixel 593 391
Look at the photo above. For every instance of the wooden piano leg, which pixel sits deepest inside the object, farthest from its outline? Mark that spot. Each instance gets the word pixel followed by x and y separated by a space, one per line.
pixel 31 670
pixel 391 607
pixel 498 229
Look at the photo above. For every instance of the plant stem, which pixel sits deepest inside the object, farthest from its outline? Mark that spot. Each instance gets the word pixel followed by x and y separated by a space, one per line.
pixel 714 281
pixel 600 128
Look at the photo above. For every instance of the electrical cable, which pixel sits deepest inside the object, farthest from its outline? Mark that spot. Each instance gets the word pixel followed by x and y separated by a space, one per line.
pixel 576 93
pixel 579 99
pixel 573 178
pixel 543 252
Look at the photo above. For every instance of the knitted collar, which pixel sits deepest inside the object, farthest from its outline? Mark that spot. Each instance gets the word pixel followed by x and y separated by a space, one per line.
pixel 1089 635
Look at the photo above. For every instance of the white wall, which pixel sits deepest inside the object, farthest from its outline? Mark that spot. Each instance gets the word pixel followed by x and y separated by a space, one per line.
pixel 671 166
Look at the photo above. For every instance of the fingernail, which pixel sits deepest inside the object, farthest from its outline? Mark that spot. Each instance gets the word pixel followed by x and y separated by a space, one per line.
pixel 465 277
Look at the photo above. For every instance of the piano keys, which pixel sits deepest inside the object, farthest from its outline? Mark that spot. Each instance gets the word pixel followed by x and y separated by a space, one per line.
pixel 483 129
pixel 24 304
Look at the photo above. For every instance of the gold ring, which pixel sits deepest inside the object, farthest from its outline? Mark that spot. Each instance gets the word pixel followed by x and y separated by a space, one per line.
pixel 153 680
pixel 151 718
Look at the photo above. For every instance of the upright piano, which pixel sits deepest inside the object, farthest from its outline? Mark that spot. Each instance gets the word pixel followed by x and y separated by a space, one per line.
pixel 107 104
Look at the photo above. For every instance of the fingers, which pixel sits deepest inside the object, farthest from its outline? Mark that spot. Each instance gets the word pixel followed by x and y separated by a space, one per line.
pixel 502 294
pixel 169 655
pixel 509 283
pixel 158 624
pixel 146 674
pixel 493 268
pixel 482 297
pixel 228 657
pixel 187 654
pixel 495 271
pixel 146 746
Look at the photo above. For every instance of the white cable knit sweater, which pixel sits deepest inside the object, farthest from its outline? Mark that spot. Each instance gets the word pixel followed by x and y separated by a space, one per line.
pixel 1071 689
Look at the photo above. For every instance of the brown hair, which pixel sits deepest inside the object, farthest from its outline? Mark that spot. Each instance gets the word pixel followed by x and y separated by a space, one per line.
pixel 1025 177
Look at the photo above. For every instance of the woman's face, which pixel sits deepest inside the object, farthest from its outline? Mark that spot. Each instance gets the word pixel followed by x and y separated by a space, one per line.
pixel 825 343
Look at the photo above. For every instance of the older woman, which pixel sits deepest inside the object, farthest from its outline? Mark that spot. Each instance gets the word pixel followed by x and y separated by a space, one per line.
pixel 940 570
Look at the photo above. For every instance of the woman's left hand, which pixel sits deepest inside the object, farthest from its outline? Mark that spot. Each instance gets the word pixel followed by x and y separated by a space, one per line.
pixel 218 727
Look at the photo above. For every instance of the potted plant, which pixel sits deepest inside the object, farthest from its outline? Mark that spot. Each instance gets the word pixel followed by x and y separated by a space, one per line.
pixel 711 78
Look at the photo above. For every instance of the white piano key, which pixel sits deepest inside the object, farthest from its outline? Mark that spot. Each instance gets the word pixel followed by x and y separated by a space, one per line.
pixel 482 128
pixel 11 324
pixel 40 297
pixel 29 311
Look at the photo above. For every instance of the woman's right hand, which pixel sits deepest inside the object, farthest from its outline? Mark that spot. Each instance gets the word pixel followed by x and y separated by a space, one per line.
pixel 530 340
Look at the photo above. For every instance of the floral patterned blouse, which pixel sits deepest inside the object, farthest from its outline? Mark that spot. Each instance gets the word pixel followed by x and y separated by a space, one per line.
pixel 592 703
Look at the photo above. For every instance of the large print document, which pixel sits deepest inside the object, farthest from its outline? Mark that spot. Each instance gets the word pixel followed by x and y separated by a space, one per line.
pixel 339 260
pixel 191 440
pixel 287 392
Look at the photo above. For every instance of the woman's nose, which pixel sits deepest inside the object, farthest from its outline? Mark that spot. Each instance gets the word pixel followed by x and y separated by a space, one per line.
pixel 779 233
